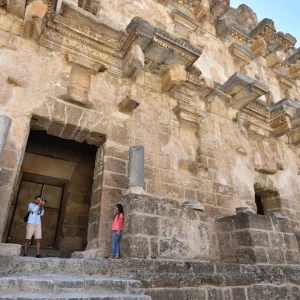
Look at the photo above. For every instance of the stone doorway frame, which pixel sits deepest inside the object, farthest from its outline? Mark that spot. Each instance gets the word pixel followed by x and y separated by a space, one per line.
pixel 29 177
pixel 69 121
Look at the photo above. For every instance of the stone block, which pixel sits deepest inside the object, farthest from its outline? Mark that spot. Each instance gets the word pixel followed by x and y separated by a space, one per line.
pixel 173 77
pixel 115 180
pixel 239 294
pixel 276 256
pixel 115 165
pixel 10 249
pixel 139 224
pixel 16 7
pixel 282 225
pixel 292 257
pixel 250 256
pixel 135 246
pixel 267 292
pixel 134 62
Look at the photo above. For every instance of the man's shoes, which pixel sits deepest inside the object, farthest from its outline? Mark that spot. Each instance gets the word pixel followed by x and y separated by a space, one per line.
pixel 24 254
pixel 39 256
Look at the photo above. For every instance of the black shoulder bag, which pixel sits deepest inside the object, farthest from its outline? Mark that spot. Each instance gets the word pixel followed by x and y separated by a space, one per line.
pixel 27 216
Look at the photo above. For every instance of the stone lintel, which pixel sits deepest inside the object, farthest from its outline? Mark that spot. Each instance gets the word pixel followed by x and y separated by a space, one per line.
pixel 243 90
pixel 16 7
pixel 243 55
pixel 128 104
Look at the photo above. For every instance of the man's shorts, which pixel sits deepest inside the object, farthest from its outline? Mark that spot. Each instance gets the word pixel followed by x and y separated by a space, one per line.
pixel 33 229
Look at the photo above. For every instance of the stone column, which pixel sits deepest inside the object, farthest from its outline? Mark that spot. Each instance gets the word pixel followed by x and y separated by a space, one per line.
pixel 136 171
pixel 5 123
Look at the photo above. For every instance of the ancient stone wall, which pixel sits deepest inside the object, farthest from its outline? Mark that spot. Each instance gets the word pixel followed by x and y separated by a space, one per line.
pixel 209 112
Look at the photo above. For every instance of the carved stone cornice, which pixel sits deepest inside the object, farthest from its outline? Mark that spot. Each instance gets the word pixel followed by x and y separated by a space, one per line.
pixel 243 90
pixel 162 50
pixel 243 54
pixel 292 65
pixel 265 28
pixel 284 80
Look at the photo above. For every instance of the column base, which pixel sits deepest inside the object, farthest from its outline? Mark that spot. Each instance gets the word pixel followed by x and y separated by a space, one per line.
pixel 138 190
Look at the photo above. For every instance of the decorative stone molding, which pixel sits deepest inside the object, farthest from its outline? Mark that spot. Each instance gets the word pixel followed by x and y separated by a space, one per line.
pixel 292 65
pixel 228 27
pixel 285 81
pixel 162 50
pixel 243 90
pixel 128 104
pixel 201 84
pixel 285 116
pixel 258 46
pixel 265 28
pixel 188 111
pixel 243 55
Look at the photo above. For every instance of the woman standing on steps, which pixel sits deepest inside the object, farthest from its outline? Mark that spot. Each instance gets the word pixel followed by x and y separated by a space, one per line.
pixel 117 227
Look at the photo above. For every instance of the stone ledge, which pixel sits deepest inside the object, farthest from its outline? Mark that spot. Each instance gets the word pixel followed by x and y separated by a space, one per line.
pixel 10 249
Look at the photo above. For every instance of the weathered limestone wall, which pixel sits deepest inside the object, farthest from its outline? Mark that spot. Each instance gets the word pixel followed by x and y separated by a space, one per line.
pixel 211 156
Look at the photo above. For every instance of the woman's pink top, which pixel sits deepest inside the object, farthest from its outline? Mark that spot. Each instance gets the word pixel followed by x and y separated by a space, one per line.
pixel 118 222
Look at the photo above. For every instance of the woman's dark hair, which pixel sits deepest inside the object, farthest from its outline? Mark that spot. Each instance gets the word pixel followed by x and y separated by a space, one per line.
pixel 121 210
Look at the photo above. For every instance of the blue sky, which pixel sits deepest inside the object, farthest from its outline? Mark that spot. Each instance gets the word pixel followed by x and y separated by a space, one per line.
pixel 285 13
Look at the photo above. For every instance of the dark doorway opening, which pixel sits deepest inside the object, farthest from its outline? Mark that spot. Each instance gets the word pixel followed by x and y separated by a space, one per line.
pixel 61 171
pixel 259 205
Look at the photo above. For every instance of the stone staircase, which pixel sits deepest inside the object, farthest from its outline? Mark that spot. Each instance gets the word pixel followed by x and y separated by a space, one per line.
pixel 65 284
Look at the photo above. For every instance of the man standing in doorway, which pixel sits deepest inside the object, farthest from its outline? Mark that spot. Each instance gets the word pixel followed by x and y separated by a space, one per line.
pixel 34 226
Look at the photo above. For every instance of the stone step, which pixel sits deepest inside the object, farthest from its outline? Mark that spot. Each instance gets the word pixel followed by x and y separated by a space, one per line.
pixel 71 296
pixel 76 284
